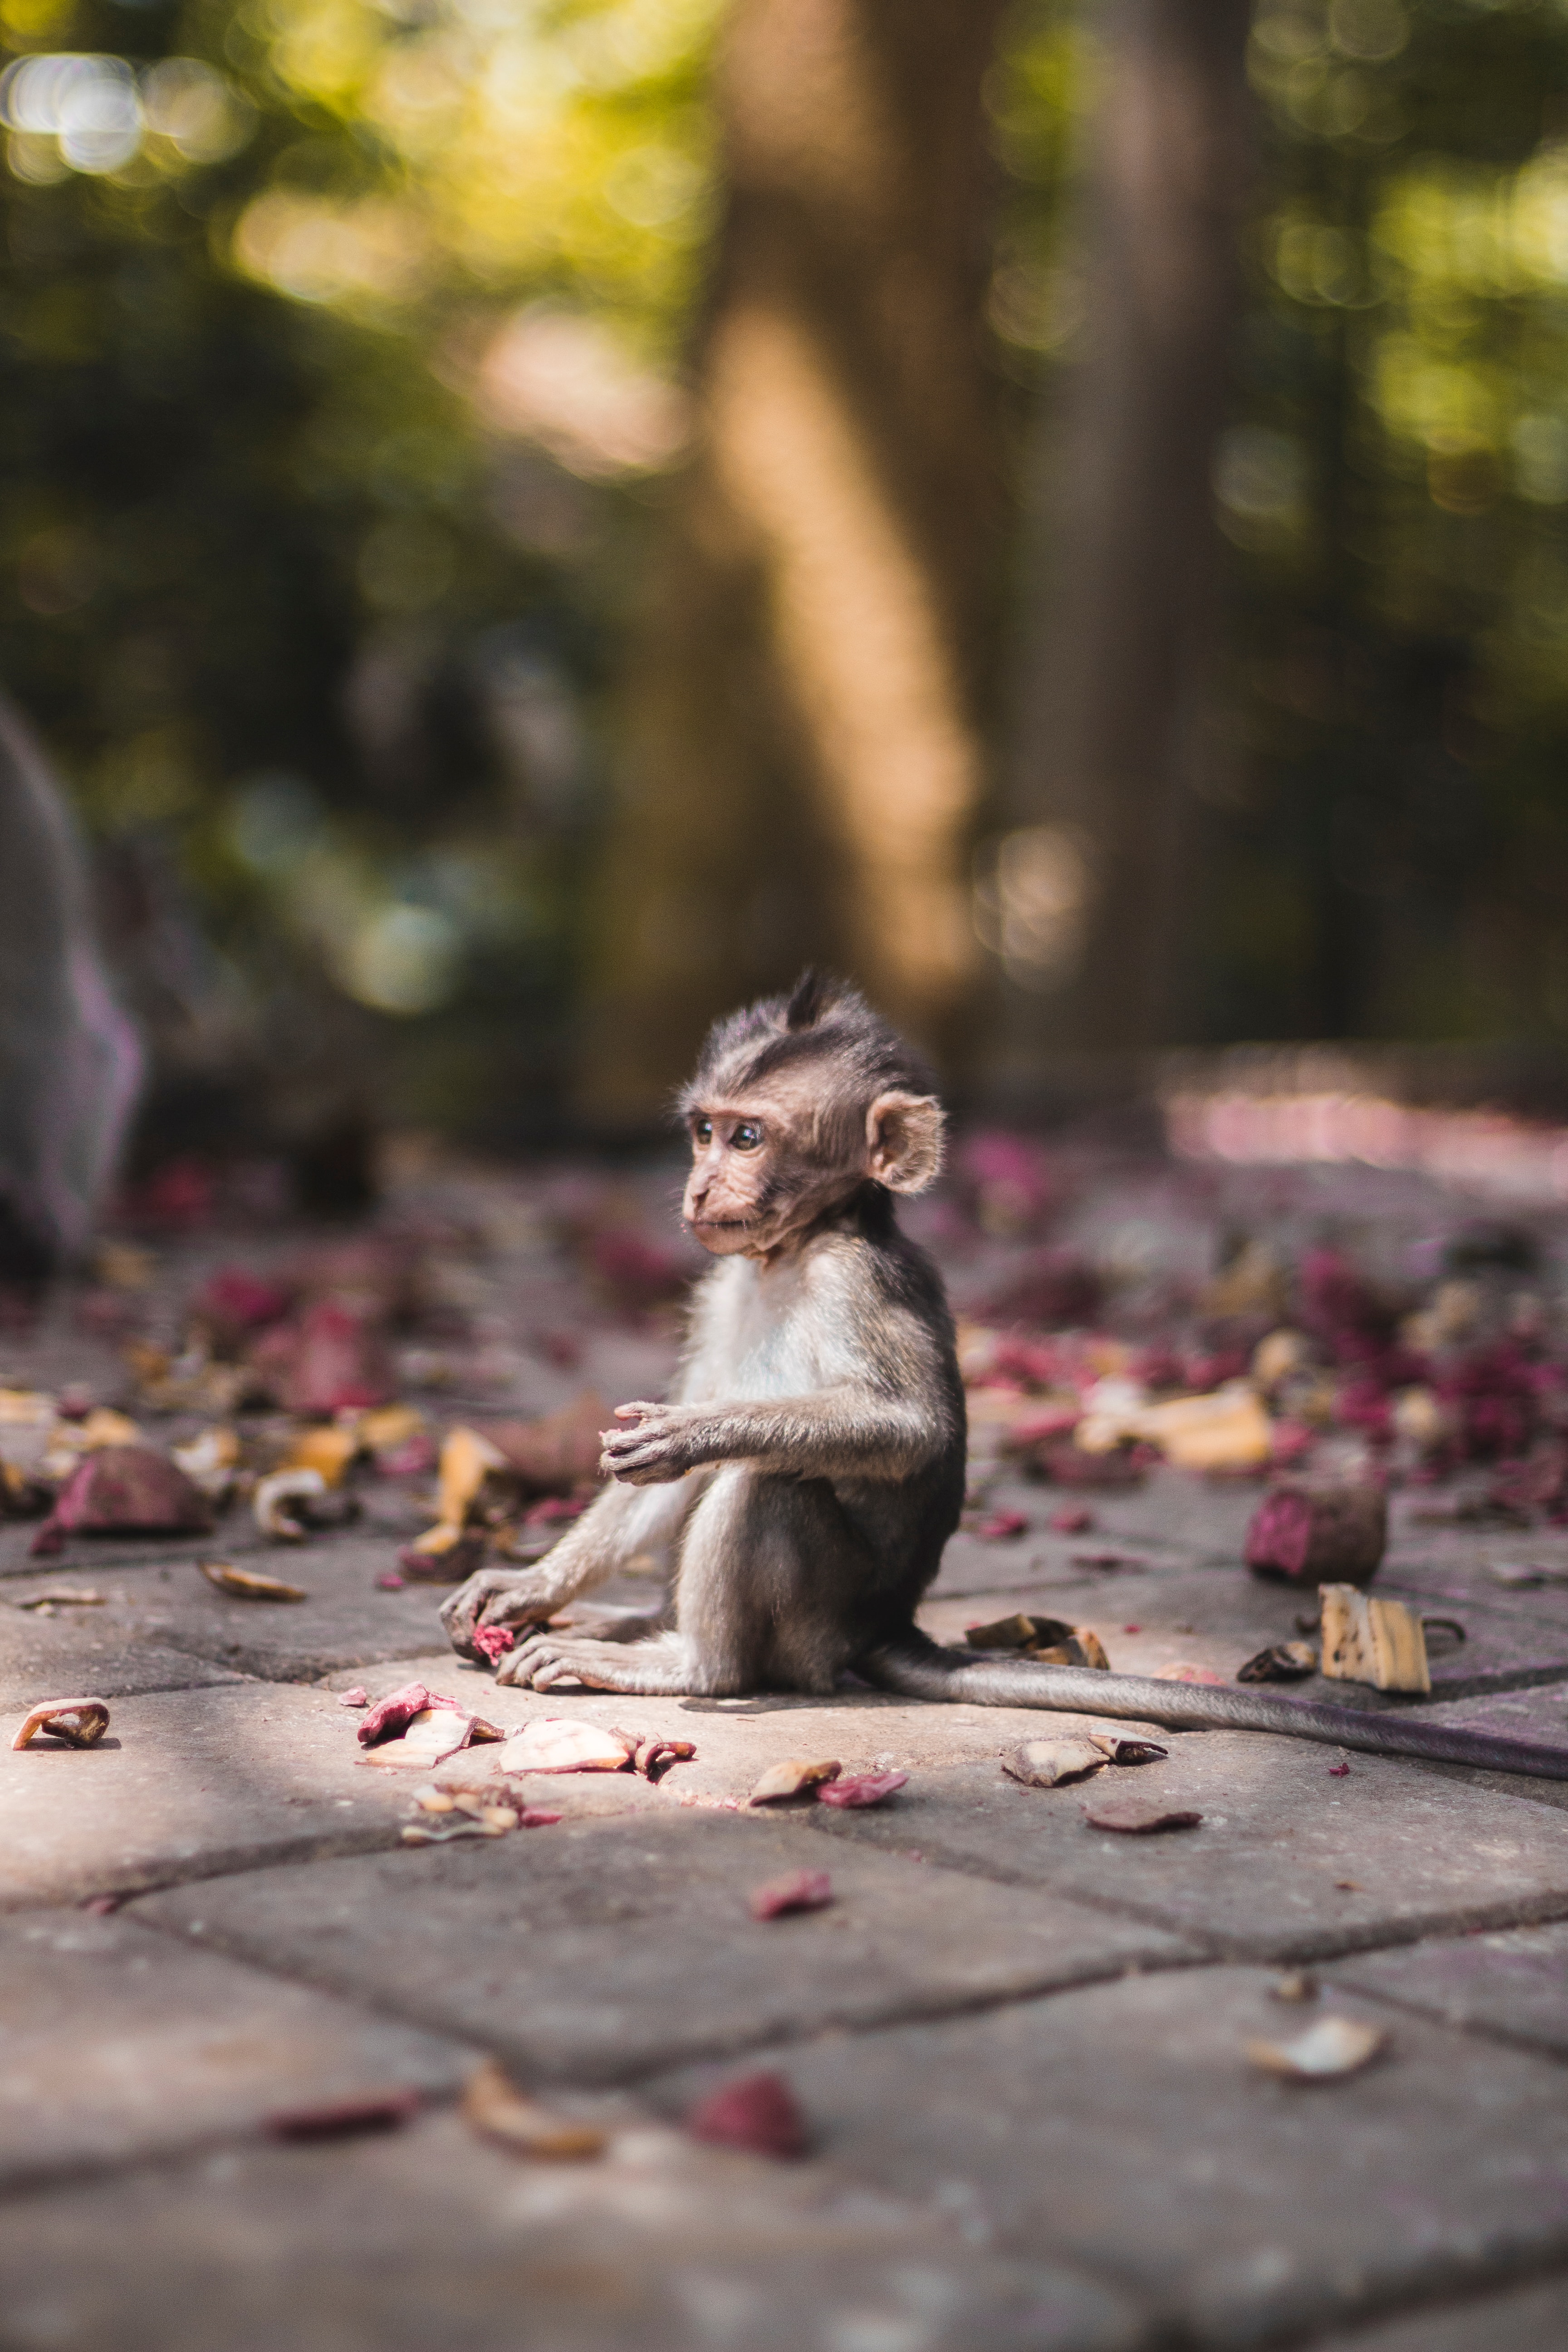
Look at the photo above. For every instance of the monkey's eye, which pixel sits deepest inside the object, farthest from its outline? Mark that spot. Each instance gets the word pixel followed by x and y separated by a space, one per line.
pixel 747 1136
pixel 702 1130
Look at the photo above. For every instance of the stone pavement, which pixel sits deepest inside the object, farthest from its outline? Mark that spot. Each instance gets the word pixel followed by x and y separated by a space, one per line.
pixel 1018 2042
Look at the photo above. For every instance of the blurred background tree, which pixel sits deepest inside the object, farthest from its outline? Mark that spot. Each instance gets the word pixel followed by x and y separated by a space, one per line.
pixel 388 567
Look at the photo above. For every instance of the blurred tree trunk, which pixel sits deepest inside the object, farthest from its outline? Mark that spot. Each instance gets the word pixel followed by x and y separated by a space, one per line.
pixel 1086 900
pixel 801 761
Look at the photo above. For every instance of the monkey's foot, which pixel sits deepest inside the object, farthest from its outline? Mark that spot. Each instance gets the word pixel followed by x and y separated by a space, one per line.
pixel 655 1669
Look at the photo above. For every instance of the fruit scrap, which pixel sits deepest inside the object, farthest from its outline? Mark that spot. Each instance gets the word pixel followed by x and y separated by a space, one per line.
pixel 1332 2047
pixel 51 1597
pixel 1123 1750
pixel 78 1722
pixel 1049 1763
pixel 290 1504
pixel 1286 1661
pixel 796 1776
pixel 561 1744
pixel 1378 1642
pixel 371 2111
pixel 1051 1640
pixel 856 1790
pixel 492 1641
pixel 1313 1534
pixel 653 1757
pixel 395 1713
pixel 355 1697
pixel 803 1890
pixel 249 1583
pixel 758 2113
pixel 494 2107
pixel 124 1490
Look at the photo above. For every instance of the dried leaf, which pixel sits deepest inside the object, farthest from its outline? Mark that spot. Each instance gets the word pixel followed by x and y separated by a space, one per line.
pixel 78 1722
pixel 495 2107
pixel 1049 1763
pixel 803 1890
pixel 1285 1662
pixel 561 1744
pixel 859 1789
pixel 793 1776
pixel 249 1583
pixel 755 2112
pixel 1131 1817
pixel 1332 2047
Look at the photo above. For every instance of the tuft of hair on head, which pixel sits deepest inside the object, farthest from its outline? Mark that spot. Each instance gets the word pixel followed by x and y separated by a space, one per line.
pixel 808 1000
pixel 825 1028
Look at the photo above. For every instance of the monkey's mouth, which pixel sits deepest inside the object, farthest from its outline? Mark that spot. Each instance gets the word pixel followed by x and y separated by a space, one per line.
pixel 721 1225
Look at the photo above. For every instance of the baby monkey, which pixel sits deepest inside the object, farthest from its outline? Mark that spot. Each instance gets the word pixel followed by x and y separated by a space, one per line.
pixel 809 1469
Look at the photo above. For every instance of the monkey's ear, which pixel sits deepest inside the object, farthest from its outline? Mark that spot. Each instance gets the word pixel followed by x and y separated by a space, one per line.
pixel 903 1141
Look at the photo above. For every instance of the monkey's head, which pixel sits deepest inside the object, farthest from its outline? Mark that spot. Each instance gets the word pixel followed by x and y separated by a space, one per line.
pixel 797 1104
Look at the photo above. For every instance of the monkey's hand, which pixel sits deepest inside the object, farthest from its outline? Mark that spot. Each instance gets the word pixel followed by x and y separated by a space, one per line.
pixel 662 1442
pixel 498 1596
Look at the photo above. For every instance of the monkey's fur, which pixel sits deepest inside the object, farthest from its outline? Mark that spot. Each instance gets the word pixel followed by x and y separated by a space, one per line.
pixel 810 1468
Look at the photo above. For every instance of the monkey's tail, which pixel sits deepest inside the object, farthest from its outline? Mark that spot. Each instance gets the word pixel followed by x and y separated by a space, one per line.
pixel 916 1667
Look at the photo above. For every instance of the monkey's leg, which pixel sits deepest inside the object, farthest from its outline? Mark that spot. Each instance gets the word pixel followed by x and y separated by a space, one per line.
pixel 918 1669
pixel 622 1522
pixel 768 1573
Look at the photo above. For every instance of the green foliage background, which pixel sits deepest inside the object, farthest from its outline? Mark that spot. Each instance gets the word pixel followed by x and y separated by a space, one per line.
pixel 323 640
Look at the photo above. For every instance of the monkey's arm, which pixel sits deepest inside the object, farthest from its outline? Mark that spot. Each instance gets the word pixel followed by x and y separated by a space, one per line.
pixel 917 1667
pixel 618 1524
pixel 849 1432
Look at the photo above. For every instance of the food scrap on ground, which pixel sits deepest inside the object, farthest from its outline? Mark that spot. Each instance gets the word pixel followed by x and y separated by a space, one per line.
pixel 75 1722
pixel 803 1890
pixel 756 2113
pixel 1332 2047
pixel 494 2107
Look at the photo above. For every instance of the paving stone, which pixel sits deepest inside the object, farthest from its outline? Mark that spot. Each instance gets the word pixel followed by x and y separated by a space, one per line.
pixel 1511 1984
pixel 736 1738
pixel 1121 2127
pixel 1530 2319
pixel 430 2237
pixel 596 1950
pixel 187 1784
pixel 1291 1861
pixel 117 2043
pixel 101 1651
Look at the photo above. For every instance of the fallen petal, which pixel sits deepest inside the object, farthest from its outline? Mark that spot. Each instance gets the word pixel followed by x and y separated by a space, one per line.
pixel 1333 2046
pixel 803 1890
pixel 249 1583
pixel 859 1789
pixel 80 1722
pixel 755 2112
pixel 1131 1817
pixel 791 1777
pixel 494 2107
